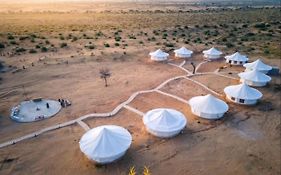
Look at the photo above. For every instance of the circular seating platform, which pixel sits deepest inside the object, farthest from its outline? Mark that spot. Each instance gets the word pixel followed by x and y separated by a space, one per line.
pixel 35 110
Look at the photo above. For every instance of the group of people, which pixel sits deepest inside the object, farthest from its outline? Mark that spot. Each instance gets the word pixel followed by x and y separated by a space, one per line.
pixel 64 103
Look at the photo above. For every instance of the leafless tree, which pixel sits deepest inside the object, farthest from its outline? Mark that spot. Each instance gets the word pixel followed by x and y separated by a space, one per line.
pixel 104 74
pixel 194 67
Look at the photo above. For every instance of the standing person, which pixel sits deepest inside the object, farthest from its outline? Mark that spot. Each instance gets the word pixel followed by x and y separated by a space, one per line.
pixel 47 105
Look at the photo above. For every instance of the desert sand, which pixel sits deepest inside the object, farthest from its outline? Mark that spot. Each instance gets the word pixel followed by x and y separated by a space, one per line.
pixel 54 53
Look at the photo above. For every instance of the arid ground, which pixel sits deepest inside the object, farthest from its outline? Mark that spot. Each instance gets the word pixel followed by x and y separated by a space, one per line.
pixel 53 53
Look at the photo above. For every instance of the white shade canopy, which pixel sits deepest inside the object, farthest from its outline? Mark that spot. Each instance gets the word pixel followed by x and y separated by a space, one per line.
pixel 258 65
pixel 237 57
pixel 208 106
pixel 243 91
pixel 163 122
pixel 183 51
pixel 254 76
pixel 158 55
pixel 104 144
pixel 212 51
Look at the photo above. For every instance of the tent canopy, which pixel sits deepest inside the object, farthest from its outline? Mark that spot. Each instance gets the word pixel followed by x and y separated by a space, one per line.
pixel 254 75
pixel 183 51
pixel 258 65
pixel 208 104
pixel 164 120
pixel 158 53
pixel 237 57
pixel 243 91
pixel 105 142
pixel 212 51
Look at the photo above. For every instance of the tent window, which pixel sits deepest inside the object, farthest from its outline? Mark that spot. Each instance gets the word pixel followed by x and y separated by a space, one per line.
pixel 241 62
pixel 241 100
pixel 235 62
pixel 232 98
pixel 229 61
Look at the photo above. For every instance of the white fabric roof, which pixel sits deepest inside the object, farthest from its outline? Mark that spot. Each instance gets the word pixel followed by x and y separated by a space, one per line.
pixel 164 120
pixel 208 104
pixel 243 91
pixel 212 51
pixel 105 142
pixel 158 53
pixel 259 65
pixel 183 51
pixel 237 57
pixel 254 75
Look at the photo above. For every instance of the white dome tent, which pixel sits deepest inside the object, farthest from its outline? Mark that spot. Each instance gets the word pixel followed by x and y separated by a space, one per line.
pixel 183 53
pixel 35 110
pixel 236 59
pixel 242 94
pixel 258 65
pixel 254 78
pixel 208 107
pixel 159 55
pixel 105 144
pixel 212 53
pixel 163 122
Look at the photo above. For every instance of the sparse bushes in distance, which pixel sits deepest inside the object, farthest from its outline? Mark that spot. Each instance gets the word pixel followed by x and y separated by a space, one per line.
pixel 118 38
pixel 23 38
pixel 44 49
pixel 63 45
pixel 260 25
pixel 32 51
pixel 106 45
pixel 229 45
pixel 2 46
pixel 132 37
pixel 47 42
pixel 74 39
pixel 20 49
pixel 13 42
pixel 266 51
pixel 169 44
pixel 33 36
pixel 11 37
pixel 117 44
pixel 90 47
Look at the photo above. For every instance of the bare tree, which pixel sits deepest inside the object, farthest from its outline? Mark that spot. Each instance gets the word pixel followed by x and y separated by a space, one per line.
pixel 104 74
pixel 194 67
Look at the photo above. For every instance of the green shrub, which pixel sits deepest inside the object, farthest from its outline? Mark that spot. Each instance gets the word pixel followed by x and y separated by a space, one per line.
pixel 117 44
pixel 20 49
pixel 118 38
pixel 44 49
pixel 11 37
pixel 169 44
pixel 266 51
pixel 62 45
pixel 106 45
pixel 13 42
pixel 32 51
pixel 74 39
pixel 2 46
